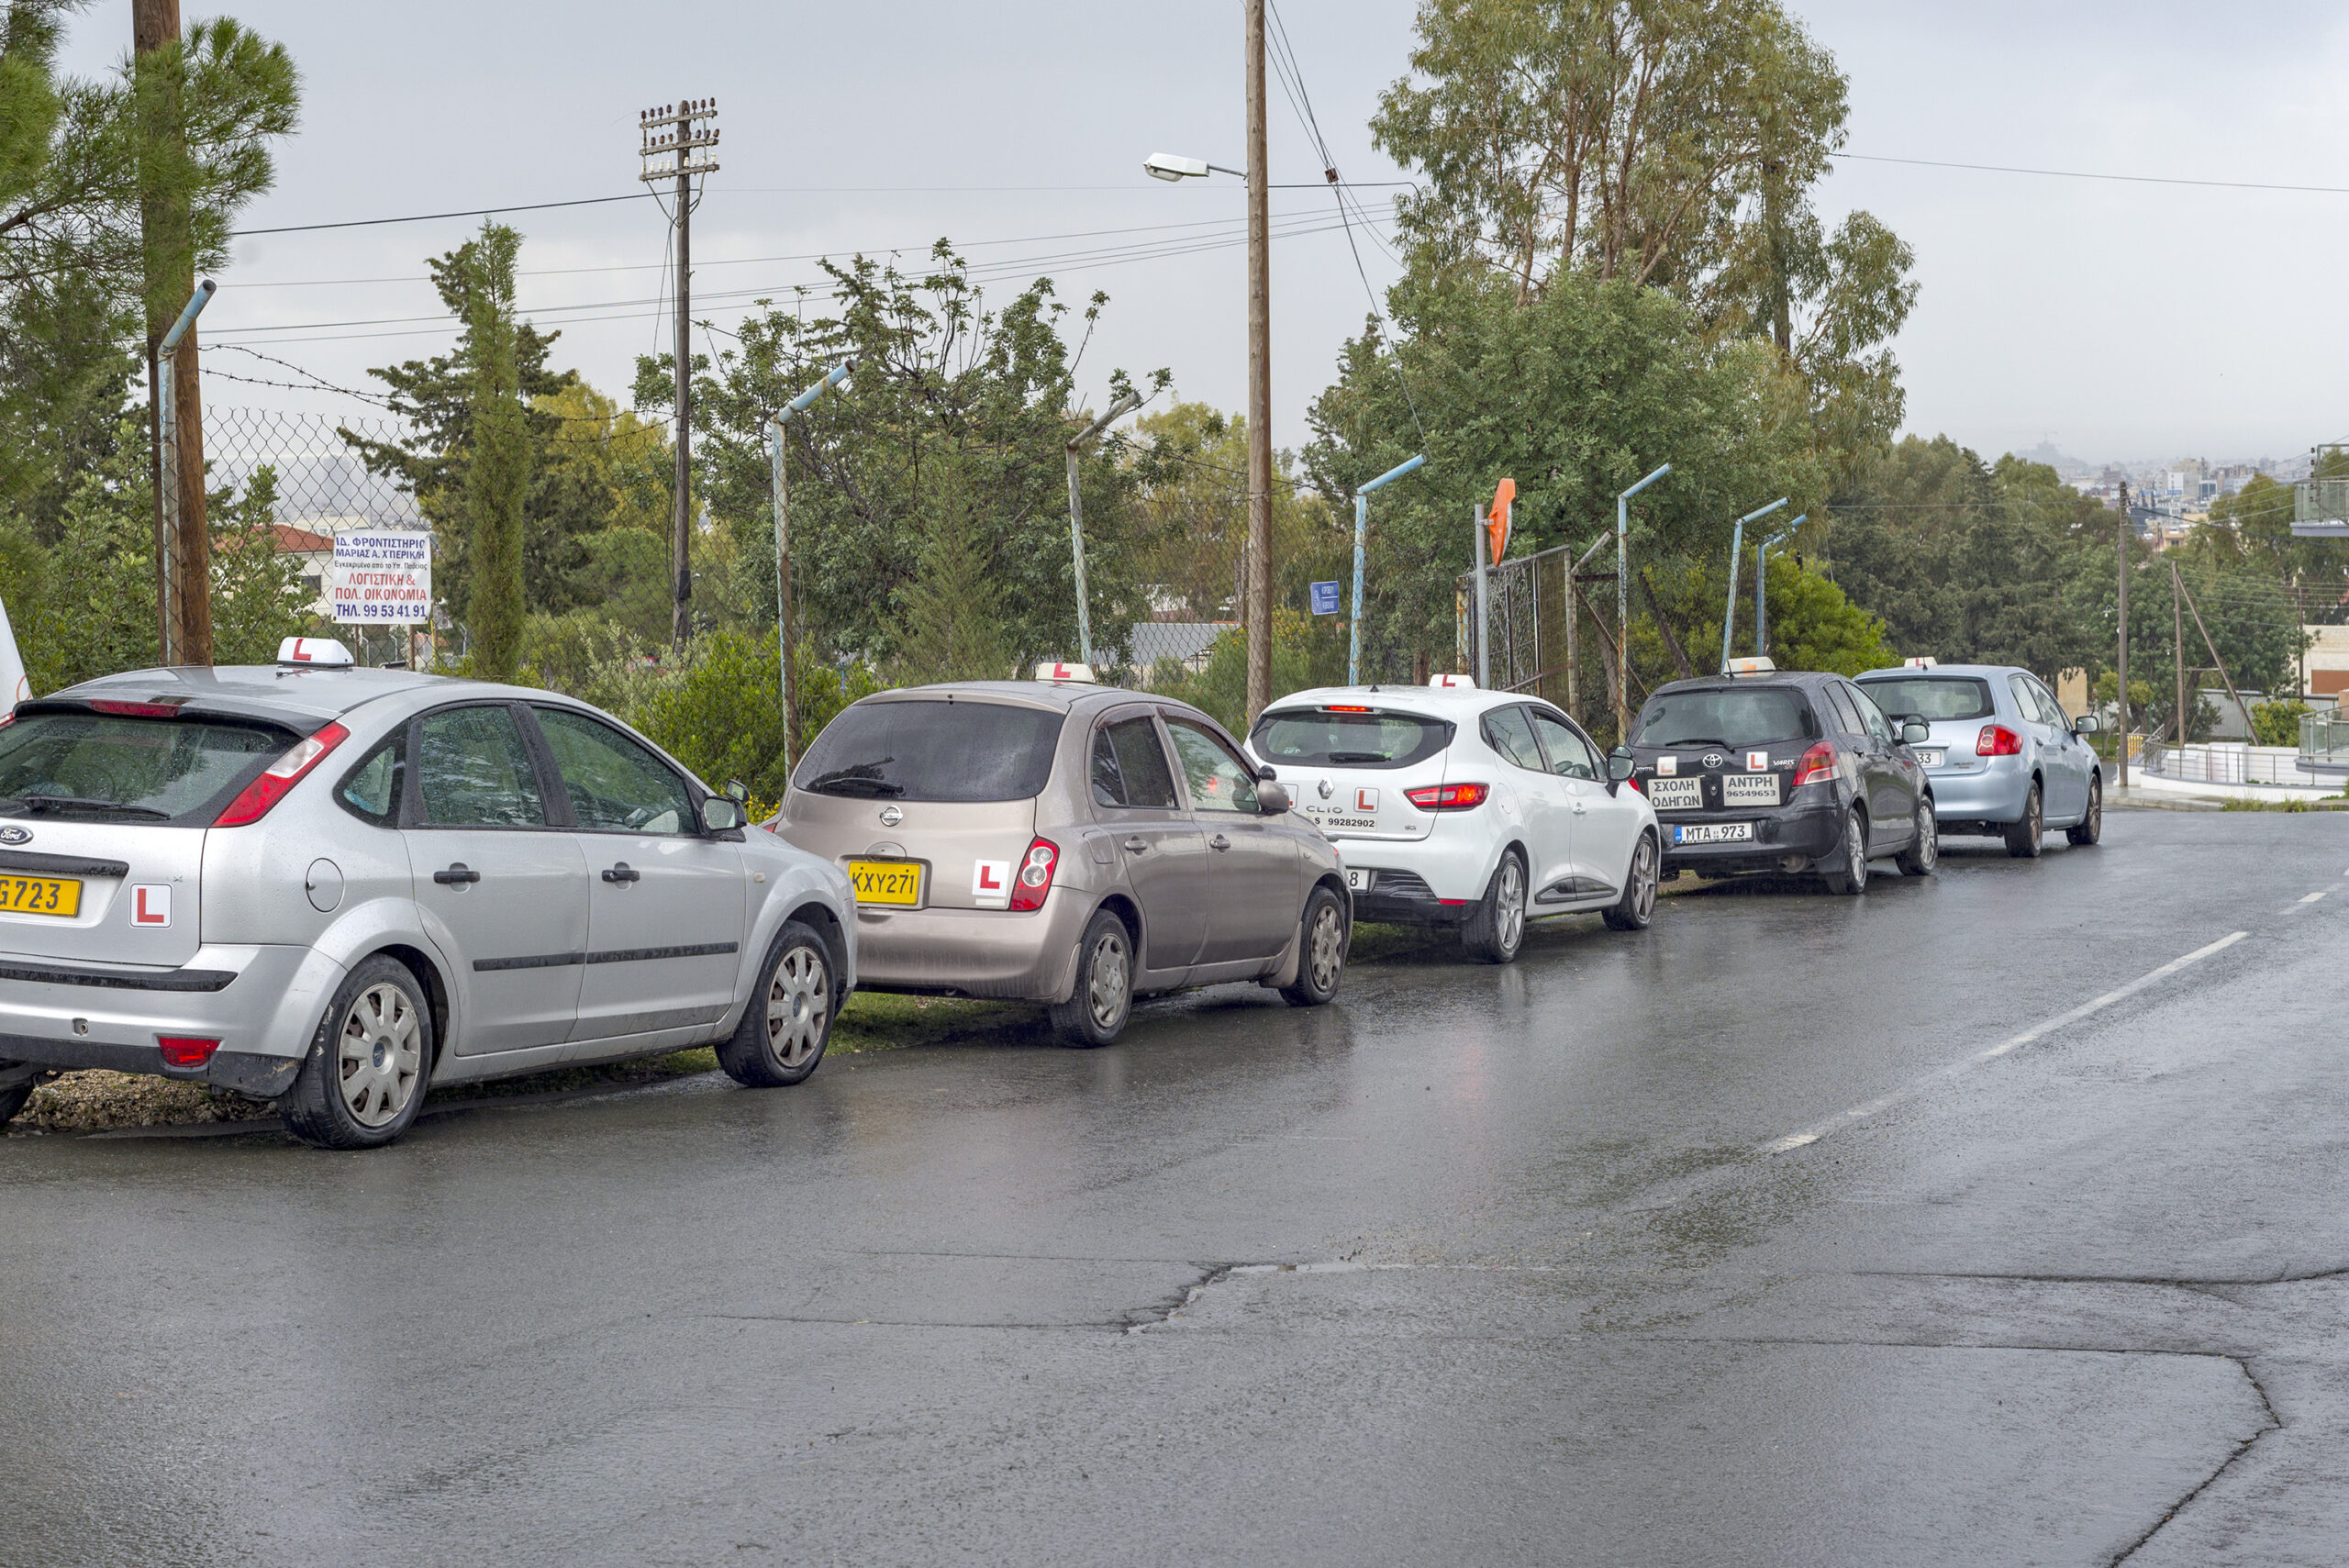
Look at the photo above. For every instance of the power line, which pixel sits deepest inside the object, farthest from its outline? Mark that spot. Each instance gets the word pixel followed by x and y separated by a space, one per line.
pixel 430 216
pixel 2079 174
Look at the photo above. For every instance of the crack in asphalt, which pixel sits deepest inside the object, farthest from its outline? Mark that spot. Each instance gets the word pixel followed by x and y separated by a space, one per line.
pixel 2274 1424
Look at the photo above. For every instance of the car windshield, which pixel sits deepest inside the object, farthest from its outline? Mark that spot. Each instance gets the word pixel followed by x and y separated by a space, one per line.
pixel 1930 697
pixel 1347 738
pixel 115 768
pixel 933 750
pixel 1723 716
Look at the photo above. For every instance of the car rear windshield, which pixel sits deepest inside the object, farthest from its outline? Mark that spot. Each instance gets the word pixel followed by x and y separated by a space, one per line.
pixel 1930 697
pixel 1336 737
pixel 1724 715
pixel 925 750
pixel 111 768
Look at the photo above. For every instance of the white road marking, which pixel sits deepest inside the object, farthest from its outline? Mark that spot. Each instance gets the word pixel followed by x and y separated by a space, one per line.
pixel 1882 1103
pixel 2316 894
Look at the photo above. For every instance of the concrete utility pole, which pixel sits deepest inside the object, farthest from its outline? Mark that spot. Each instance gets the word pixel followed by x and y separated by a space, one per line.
pixel 671 141
pixel 776 438
pixel 1260 380
pixel 2177 641
pixel 2121 725
pixel 182 543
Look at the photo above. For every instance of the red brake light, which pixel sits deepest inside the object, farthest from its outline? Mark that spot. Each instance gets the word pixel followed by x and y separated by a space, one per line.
pixel 1034 877
pixel 1998 740
pixel 253 803
pixel 186 1051
pixel 1817 765
pixel 137 709
pixel 1448 797
pixel 1335 707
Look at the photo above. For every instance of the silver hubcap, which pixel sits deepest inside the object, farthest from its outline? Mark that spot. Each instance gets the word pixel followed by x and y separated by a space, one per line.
pixel 2036 816
pixel 380 1058
pixel 1928 836
pixel 1326 954
pixel 799 1002
pixel 1107 993
pixel 1643 879
pixel 1511 924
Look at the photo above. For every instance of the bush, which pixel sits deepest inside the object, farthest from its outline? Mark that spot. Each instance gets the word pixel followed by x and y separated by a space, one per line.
pixel 2278 723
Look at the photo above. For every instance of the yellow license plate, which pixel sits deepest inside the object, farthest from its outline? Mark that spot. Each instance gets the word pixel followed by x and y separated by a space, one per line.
pixel 40 895
pixel 886 882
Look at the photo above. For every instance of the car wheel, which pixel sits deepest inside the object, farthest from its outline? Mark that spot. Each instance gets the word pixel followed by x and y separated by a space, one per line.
pixel 1853 877
pixel 1924 850
pixel 789 1019
pixel 369 1063
pixel 2024 837
pixel 2090 828
pixel 1096 1010
pixel 12 1100
pixel 1496 930
pixel 1637 906
pixel 1321 960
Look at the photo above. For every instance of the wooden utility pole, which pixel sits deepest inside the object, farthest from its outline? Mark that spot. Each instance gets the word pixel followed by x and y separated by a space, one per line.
pixel 182 543
pixel 1259 382
pixel 2121 543
pixel 670 143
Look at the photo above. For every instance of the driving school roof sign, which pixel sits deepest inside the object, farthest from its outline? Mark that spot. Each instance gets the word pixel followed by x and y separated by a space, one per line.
pixel 381 578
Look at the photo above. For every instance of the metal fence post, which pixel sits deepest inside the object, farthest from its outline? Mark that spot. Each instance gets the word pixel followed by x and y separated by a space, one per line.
pixel 1362 540
pixel 1484 611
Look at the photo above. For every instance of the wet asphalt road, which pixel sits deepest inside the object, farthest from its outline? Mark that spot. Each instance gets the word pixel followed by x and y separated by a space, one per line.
pixel 1479 1265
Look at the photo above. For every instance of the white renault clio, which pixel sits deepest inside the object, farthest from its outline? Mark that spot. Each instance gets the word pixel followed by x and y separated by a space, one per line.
pixel 334 887
pixel 1455 808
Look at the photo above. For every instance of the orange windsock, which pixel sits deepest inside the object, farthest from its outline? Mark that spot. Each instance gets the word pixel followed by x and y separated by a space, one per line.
pixel 1496 519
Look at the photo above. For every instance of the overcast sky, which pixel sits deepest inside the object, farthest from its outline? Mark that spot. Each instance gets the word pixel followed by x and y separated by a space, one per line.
pixel 2118 321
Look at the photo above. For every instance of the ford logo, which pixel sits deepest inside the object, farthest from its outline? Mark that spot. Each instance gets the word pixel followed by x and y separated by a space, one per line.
pixel 16 835
pixel 1712 758
pixel 891 817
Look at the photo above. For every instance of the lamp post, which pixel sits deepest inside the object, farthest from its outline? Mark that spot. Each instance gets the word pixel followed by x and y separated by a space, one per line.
pixel 797 405
pixel 1361 537
pixel 1762 583
pixel 1117 410
pixel 1737 546
pixel 1623 603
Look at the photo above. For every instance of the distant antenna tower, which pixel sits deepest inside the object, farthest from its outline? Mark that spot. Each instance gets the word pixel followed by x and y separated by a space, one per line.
pixel 676 147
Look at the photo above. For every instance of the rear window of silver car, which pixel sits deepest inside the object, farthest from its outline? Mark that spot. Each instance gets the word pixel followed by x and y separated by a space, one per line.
pixel 109 767
pixel 1725 715
pixel 933 750
pixel 1930 697
pixel 1347 738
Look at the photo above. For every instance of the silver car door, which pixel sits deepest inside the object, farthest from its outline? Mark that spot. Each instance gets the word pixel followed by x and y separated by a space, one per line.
pixel 1541 799
pixel 1163 853
pixel 1604 824
pixel 2047 750
pixel 2071 753
pixel 665 903
pixel 499 888
pixel 1252 863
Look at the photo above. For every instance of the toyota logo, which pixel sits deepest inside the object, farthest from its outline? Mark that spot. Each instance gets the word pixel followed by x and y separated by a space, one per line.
pixel 1713 758
pixel 1325 786
pixel 16 835
pixel 891 817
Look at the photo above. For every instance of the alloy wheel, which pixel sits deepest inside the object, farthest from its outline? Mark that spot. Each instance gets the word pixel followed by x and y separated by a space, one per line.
pixel 1929 837
pixel 1326 952
pixel 1106 995
pixel 380 1055
pixel 799 1002
pixel 1511 923
pixel 1856 848
pixel 1643 879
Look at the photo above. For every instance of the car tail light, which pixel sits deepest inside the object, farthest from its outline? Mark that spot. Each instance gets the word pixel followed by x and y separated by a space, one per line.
pixel 1034 878
pixel 1633 782
pixel 137 709
pixel 1448 797
pixel 186 1051
pixel 1817 765
pixel 253 803
pixel 1998 740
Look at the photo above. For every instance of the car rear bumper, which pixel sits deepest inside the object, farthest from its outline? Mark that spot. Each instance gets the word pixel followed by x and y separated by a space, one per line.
pixel 1997 793
pixel 1420 881
pixel 1808 831
pixel 70 1016
pixel 1013 955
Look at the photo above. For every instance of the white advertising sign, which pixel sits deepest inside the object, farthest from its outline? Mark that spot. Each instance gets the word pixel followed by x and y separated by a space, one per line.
pixel 381 578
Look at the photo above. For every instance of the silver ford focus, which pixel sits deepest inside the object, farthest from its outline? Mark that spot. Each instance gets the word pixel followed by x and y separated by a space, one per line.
pixel 334 887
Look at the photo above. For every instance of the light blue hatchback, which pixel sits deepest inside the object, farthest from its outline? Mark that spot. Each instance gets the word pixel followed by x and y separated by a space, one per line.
pixel 2003 757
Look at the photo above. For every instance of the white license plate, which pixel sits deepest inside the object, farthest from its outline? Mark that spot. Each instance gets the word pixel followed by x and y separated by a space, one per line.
pixel 1932 756
pixel 1749 789
pixel 1358 879
pixel 1676 794
pixel 1712 833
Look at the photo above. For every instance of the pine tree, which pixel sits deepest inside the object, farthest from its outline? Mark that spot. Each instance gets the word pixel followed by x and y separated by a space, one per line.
pixel 497 479
pixel 952 612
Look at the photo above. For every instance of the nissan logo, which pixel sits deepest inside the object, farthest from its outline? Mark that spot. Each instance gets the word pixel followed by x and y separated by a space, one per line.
pixel 16 835
pixel 891 817
pixel 1713 758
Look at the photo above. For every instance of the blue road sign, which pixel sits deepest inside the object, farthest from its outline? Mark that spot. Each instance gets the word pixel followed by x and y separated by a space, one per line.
pixel 1325 598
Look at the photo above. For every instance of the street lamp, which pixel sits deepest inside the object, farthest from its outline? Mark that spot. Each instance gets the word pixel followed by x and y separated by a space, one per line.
pixel 1737 546
pixel 796 407
pixel 1623 605
pixel 1362 535
pixel 1762 583
pixel 1117 410
pixel 1174 166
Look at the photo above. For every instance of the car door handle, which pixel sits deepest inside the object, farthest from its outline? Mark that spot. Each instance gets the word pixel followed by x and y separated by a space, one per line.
pixel 1218 842
pixel 623 873
pixel 456 876
pixel 1580 810
pixel 1137 844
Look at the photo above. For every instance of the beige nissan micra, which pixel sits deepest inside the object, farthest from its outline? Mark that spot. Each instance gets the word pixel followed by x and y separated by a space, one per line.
pixel 1067 843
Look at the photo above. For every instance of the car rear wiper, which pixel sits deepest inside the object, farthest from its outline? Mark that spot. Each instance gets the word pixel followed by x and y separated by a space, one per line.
pixel 855 784
pixel 76 803
pixel 1690 740
pixel 1359 757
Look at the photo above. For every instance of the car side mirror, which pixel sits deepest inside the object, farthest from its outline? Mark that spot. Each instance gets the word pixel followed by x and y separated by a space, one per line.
pixel 721 814
pixel 2087 723
pixel 1265 774
pixel 1912 733
pixel 1271 799
pixel 736 790
pixel 1619 764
